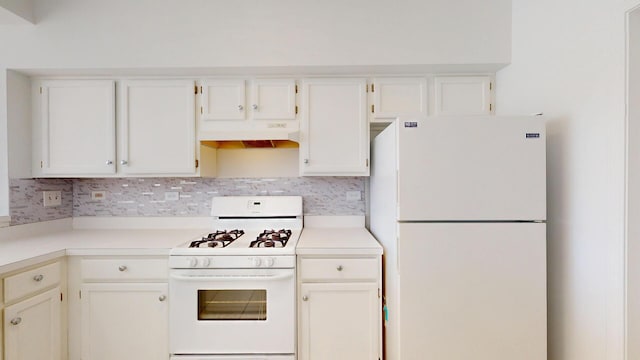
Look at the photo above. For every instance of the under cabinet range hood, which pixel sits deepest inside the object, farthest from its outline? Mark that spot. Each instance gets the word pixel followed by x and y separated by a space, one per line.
pixel 250 138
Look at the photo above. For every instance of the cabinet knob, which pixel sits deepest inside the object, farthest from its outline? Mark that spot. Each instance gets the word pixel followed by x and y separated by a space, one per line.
pixel 254 106
pixel 122 267
pixel 162 297
pixel 240 107
pixel 109 162
pixel 16 321
pixel 124 162
pixel 339 268
pixel 38 278
pixel 305 298
pixel 306 161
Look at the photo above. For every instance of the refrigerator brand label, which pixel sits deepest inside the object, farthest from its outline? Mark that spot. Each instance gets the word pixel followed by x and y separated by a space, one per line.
pixel 533 135
pixel 411 124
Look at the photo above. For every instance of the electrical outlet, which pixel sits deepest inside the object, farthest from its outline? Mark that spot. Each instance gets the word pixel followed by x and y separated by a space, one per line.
pixel 353 195
pixel 51 198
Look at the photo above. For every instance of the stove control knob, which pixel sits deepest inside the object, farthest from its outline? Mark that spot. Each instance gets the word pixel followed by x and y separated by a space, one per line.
pixel 206 262
pixel 269 262
pixel 257 262
pixel 193 262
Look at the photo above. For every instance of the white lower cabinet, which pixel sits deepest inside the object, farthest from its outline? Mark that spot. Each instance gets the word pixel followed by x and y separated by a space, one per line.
pixel 339 308
pixel 32 327
pixel 339 321
pixel 124 321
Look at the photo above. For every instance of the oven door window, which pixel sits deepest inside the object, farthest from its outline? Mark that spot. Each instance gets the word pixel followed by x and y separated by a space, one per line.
pixel 249 305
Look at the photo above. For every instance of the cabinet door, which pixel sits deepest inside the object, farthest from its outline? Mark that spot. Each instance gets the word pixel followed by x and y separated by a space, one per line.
pixel 273 99
pixel 124 321
pixel 339 321
pixel 77 127
pixel 32 328
pixel 463 95
pixel 223 100
pixel 157 132
pixel 393 97
pixel 334 134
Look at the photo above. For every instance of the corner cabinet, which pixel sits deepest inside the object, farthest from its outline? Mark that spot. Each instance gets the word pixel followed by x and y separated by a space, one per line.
pixel 157 131
pixel 334 132
pixel 33 325
pixel 75 133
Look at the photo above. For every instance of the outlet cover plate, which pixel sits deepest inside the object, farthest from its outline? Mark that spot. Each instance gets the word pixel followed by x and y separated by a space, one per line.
pixel 354 196
pixel 51 198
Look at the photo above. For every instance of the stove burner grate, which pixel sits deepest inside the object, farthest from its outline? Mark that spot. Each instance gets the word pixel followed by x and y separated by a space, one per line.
pixel 218 239
pixel 272 239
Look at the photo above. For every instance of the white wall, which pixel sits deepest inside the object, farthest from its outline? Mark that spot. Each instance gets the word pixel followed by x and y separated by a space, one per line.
pixel 633 191
pixel 146 34
pixel 568 62
pixel 16 12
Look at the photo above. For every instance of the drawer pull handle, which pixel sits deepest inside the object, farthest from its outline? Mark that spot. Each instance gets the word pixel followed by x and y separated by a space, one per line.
pixel 305 298
pixel 16 321
pixel 339 268
pixel 38 278
pixel 122 267
pixel 162 297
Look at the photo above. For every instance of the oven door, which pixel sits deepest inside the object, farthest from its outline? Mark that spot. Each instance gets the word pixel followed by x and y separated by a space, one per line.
pixel 232 311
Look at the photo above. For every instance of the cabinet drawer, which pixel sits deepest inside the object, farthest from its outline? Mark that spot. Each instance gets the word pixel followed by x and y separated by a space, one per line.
pixel 31 281
pixel 124 269
pixel 338 269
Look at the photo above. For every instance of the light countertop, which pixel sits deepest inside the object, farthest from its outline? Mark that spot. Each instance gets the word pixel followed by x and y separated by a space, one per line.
pixel 337 241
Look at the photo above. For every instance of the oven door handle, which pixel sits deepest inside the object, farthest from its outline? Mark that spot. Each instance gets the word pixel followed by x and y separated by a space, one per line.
pixel 209 278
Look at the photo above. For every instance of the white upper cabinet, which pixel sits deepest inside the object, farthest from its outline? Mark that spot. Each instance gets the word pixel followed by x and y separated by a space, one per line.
pixel 393 97
pixel 334 133
pixel 76 128
pixel 157 127
pixel 273 99
pixel 223 99
pixel 463 95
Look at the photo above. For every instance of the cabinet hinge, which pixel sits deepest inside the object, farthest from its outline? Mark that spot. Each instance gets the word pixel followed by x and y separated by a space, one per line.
pixel 201 110
pixel 200 89
pixel 372 109
pixel 40 89
pixel 197 163
pixel 60 297
pixel 80 294
pixel 296 88
pixel 373 89
pixel 41 164
pixel 490 86
pixel 379 293
pixel 296 109
pixel 367 88
pixel 367 162
pixel 490 107
pixel 196 89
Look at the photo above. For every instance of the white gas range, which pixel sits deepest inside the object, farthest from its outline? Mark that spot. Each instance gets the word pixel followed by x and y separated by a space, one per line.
pixel 233 291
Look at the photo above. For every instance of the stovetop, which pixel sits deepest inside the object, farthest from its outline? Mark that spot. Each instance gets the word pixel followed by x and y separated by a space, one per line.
pixel 263 241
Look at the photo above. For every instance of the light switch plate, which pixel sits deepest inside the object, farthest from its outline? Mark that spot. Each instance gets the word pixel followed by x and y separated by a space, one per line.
pixel 98 195
pixel 51 198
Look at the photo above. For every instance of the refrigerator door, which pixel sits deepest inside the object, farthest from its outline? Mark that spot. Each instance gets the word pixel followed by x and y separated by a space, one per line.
pixel 471 291
pixel 471 169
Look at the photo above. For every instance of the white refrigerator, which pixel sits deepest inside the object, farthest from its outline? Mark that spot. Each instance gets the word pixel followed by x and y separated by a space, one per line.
pixel 459 205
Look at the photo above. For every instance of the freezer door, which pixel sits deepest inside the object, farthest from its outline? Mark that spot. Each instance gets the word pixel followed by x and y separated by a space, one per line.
pixel 482 168
pixel 471 291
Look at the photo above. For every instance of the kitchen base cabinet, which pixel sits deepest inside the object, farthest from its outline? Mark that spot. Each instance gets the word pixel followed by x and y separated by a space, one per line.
pixel 32 328
pixel 339 321
pixel 124 321
pixel 34 313
pixel 118 308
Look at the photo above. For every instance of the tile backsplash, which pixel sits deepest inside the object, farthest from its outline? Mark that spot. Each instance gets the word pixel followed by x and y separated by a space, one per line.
pixel 25 200
pixel 155 196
